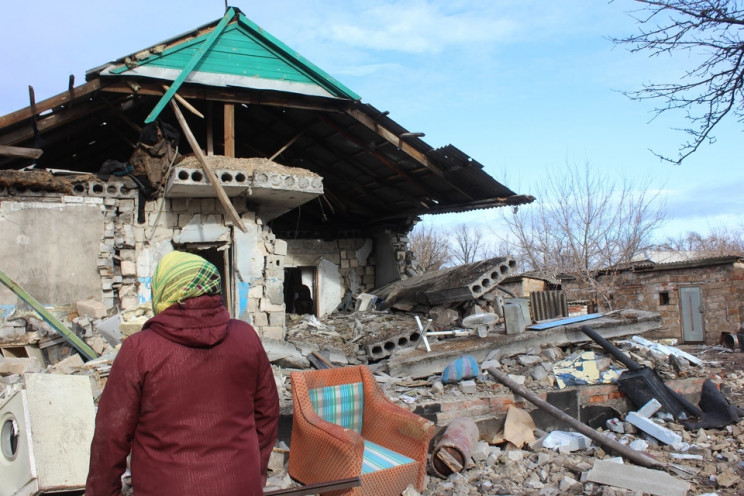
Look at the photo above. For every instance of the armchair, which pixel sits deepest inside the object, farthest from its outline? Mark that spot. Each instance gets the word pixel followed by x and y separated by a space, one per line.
pixel 344 426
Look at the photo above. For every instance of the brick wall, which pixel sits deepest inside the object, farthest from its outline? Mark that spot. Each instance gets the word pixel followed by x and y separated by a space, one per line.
pixel 722 293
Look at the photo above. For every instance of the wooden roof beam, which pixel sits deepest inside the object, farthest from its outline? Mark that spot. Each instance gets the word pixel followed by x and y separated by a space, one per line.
pixel 227 96
pixel 15 151
pixel 50 121
pixel 399 142
pixel 62 99
pixel 389 164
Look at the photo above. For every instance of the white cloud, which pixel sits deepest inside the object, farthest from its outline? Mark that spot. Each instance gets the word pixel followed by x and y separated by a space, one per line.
pixel 420 27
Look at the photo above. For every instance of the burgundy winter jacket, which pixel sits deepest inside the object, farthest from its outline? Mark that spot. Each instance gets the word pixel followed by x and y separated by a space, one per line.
pixel 193 396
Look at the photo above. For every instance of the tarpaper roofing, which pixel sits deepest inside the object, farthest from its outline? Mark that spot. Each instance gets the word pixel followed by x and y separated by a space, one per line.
pixel 375 172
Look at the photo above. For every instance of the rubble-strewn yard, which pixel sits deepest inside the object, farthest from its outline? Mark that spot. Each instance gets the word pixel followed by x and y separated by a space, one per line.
pixel 709 460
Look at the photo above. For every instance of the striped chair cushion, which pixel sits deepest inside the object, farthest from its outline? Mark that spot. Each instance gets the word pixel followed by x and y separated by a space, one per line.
pixel 378 458
pixel 342 405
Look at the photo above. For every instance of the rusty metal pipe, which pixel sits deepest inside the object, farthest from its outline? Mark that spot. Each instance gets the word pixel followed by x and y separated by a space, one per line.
pixel 605 441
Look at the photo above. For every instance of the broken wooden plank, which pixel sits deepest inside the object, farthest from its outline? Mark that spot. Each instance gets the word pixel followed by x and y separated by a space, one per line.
pixel 70 336
pixel 17 151
pixel 319 361
pixel 50 103
pixel 185 103
pixel 221 195
pixel 317 488
pixel 190 65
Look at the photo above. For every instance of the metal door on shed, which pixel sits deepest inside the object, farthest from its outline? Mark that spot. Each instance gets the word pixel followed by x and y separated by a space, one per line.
pixel 691 308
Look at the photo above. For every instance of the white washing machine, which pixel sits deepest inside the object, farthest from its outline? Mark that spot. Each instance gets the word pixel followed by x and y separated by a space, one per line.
pixel 45 433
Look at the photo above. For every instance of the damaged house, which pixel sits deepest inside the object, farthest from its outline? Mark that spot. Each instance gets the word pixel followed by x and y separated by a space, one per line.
pixel 699 298
pixel 225 142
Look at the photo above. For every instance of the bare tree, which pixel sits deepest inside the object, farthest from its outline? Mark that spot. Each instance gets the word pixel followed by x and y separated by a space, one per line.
pixel 711 31
pixel 468 244
pixel 583 221
pixel 430 247
pixel 719 242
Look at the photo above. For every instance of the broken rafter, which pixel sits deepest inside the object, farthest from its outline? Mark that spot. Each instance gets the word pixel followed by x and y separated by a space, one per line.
pixel 204 47
pixel 602 439
pixel 50 103
pixel 289 143
pixel 320 487
pixel 51 121
pixel 185 103
pixel 16 151
pixel 221 195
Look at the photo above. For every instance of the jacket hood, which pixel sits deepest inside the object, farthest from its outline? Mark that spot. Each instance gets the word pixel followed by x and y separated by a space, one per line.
pixel 199 322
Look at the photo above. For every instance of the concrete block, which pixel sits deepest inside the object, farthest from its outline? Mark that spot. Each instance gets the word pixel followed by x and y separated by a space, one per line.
pixel 468 386
pixel 19 365
pixel 636 478
pixel 513 318
pixel 480 451
pixel 91 308
pixel 651 428
pixel 128 268
pixel 276 319
pixel 280 247
pixel 265 305
pixel 649 408
pixel 566 441
pixel 260 319
pixel 271 332
pixel 277 460
pixel 364 302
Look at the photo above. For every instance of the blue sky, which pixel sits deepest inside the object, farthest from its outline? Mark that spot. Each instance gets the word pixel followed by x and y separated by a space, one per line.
pixel 522 86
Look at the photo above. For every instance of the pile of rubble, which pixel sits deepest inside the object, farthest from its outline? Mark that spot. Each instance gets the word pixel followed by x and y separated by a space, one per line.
pixel 409 352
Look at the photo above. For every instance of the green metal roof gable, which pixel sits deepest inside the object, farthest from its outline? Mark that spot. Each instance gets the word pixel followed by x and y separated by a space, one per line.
pixel 244 55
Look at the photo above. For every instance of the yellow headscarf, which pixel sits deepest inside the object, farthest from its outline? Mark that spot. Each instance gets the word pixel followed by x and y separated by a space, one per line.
pixel 180 276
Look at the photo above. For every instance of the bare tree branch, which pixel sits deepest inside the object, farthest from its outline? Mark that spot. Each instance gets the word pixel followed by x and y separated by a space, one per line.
pixel 711 29
pixel 430 248
pixel 584 221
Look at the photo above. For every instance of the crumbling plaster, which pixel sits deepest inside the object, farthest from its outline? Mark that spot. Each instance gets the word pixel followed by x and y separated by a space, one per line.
pixel 69 248
pixel 51 248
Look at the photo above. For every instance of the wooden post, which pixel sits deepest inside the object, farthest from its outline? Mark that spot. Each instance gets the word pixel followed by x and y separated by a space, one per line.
pixel 221 195
pixel 210 128
pixel 229 130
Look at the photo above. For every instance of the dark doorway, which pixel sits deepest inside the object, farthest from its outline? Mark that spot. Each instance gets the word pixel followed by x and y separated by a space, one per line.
pixel 299 290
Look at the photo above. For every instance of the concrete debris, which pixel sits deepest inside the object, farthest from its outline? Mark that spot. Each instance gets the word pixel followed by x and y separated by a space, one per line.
pixel 566 442
pixel 659 432
pixel 637 479
pixel 560 364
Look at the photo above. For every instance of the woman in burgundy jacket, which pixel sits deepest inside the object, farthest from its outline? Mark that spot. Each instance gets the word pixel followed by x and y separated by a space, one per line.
pixel 192 396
